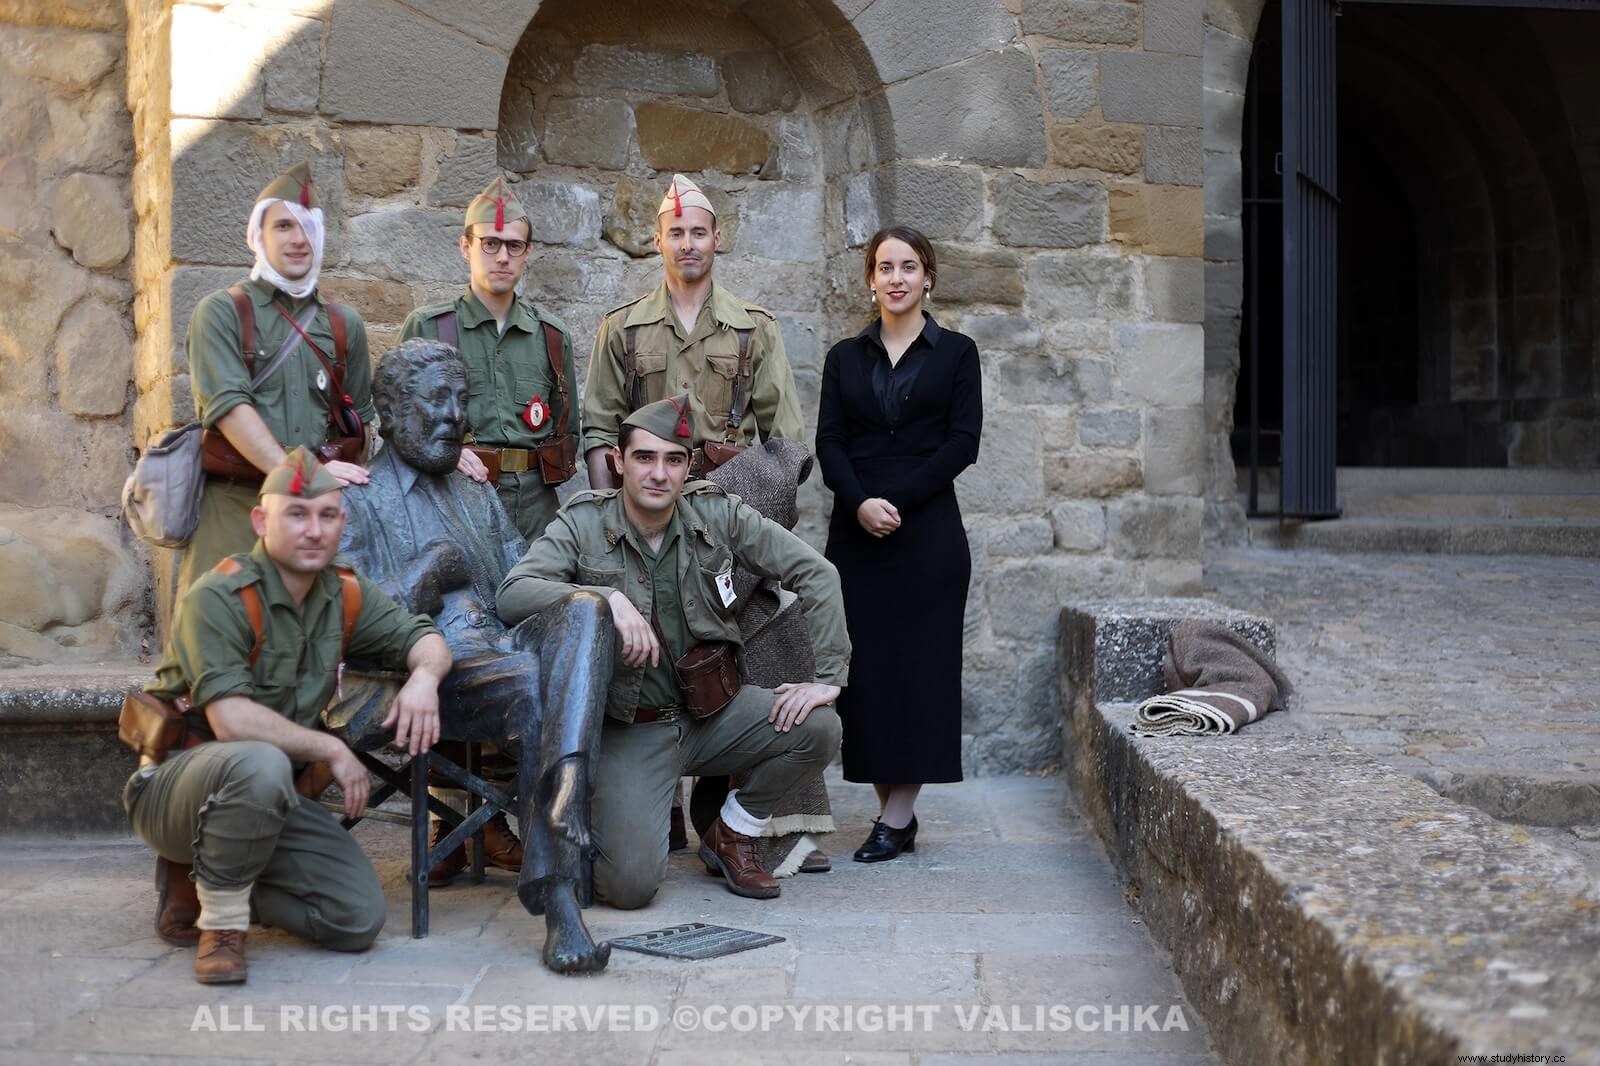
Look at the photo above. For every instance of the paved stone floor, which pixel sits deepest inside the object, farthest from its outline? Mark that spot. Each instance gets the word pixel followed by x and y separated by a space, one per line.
pixel 1008 908
pixel 1477 674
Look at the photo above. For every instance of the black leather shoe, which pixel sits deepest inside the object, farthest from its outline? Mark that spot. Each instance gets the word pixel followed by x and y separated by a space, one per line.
pixel 885 842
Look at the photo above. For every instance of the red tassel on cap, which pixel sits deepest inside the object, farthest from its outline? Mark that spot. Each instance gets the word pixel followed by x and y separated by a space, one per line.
pixel 297 484
pixel 500 205
pixel 305 194
pixel 677 212
pixel 683 420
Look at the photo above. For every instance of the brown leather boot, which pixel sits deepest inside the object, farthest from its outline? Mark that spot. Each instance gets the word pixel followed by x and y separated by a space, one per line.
pixel 733 855
pixel 501 848
pixel 452 864
pixel 177 905
pixel 220 957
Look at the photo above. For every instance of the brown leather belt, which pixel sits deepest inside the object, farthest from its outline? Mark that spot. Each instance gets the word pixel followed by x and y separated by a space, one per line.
pixel 646 715
pixel 505 460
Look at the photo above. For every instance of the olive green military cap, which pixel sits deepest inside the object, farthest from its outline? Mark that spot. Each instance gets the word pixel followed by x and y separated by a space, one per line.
pixel 293 185
pixel 300 474
pixel 494 206
pixel 666 418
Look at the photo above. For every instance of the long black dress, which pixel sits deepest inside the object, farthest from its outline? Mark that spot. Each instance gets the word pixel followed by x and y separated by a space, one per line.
pixel 902 433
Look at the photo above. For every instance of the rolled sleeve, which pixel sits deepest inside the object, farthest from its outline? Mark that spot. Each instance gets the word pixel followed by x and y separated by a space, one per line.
pixel 219 377
pixel 385 632
pixel 211 640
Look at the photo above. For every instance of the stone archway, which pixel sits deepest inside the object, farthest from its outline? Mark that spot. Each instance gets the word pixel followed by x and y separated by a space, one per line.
pixel 1053 159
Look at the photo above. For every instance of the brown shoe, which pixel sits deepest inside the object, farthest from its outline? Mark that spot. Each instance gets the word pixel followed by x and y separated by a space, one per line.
pixel 452 864
pixel 501 847
pixel 733 855
pixel 177 905
pixel 220 958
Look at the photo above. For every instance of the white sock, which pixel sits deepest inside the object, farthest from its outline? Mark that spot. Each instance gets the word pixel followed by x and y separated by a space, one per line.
pixel 223 908
pixel 741 821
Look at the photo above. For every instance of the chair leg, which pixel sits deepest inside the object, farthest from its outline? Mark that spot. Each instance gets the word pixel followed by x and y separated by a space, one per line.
pixel 475 767
pixel 419 846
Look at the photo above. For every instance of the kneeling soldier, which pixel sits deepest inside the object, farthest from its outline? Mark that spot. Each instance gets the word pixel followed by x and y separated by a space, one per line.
pixel 663 556
pixel 256 651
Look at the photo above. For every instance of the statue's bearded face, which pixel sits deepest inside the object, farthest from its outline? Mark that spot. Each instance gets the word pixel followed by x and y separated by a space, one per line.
pixel 427 429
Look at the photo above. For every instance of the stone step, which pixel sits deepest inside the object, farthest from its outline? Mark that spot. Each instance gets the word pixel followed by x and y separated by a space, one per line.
pixel 1577 537
pixel 1319 906
pixel 61 766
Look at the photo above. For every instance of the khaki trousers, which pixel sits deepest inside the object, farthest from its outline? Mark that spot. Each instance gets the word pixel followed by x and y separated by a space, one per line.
pixel 639 766
pixel 531 503
pixel 232 811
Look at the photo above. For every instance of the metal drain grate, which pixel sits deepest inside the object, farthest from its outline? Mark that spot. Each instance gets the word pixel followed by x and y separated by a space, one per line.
pixel 696 940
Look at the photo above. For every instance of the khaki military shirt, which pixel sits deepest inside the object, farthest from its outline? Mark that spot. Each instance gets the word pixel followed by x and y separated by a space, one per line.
pixel 705 363
pixel 290 402
pixel 208 654
pixel 504 370
pixel 658 685
pixel 591 545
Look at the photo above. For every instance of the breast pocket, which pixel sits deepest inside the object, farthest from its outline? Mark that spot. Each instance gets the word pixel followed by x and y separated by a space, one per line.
pixel 716 385
pixel 277 674
pixel 652 371
pixel 600 570
pixel 716 581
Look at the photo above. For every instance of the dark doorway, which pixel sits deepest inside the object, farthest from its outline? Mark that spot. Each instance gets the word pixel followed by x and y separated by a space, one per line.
pixel 1469 188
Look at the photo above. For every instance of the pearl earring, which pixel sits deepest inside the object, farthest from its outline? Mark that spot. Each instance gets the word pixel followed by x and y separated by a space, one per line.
pixel 872 294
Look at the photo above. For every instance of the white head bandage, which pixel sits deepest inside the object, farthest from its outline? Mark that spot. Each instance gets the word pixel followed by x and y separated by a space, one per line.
pixel 310 219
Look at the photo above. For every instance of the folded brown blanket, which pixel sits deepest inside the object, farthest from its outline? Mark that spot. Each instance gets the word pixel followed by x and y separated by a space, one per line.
pixel 1216 681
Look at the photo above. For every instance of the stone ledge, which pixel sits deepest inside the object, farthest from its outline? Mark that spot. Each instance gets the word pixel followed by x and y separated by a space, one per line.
pixel 67 695
pixel 1124 640
pixel 61 766
pixel 1320 907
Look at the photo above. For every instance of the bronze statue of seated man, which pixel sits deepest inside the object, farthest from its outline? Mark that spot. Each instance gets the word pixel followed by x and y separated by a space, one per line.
pixel 441 544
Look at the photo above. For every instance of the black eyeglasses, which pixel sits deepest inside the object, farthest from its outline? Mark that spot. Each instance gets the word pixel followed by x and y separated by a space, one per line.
pixel 492 245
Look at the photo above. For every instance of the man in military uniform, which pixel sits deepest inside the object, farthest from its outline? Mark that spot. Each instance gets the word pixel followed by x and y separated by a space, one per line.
pixel 257 649
pixel 519 363
pixel 689 335
pixel 663 556
pixel 239 331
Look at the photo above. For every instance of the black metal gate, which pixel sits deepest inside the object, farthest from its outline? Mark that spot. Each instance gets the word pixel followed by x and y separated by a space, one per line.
pixel 1310 259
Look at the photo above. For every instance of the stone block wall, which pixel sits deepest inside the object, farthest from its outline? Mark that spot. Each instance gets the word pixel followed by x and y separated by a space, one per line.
pixel 72 584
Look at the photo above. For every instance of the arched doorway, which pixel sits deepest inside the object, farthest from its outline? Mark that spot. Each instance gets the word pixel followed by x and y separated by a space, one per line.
pixel 1466 295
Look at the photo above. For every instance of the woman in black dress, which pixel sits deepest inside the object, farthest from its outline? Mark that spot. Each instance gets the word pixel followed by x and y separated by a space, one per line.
pixel 900 417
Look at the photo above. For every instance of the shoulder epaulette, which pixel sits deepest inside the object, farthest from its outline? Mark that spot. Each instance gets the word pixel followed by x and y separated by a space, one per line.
pixel 704 487
pixel 757 309
pixel 624 306
pixel 589 496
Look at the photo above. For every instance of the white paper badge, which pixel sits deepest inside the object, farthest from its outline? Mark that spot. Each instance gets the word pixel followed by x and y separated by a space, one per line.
pixel 322 380
pixel 725 587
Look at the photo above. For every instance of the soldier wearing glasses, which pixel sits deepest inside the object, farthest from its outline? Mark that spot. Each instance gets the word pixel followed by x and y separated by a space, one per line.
pixel 520 372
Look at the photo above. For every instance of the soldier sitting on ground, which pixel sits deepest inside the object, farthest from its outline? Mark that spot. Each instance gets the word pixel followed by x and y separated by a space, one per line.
pixel 663 556
pixel 257 649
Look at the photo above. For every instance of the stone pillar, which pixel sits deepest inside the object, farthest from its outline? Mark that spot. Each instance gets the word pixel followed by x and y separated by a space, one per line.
pixel 71 588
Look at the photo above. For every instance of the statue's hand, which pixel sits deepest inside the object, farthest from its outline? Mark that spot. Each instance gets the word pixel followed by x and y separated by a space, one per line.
pixel 447 565
pixel 440 567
